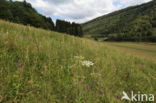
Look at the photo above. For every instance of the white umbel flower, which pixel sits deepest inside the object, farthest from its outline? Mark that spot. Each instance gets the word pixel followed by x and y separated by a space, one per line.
pixel 87 63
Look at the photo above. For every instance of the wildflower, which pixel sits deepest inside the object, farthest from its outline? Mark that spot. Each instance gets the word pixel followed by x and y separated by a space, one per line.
pixel 81 60
pixel 87 63
pixel 79 57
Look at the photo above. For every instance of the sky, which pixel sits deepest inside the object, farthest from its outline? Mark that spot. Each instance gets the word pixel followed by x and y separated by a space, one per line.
pixel 80 11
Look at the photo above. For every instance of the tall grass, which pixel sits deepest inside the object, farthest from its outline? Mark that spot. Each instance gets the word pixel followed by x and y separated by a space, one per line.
pixel 38 66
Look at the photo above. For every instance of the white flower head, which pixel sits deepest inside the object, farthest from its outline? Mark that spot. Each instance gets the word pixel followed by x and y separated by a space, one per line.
pixel 87 63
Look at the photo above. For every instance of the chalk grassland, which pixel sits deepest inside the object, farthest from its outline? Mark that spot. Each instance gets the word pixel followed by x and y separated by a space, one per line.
pixel 38 66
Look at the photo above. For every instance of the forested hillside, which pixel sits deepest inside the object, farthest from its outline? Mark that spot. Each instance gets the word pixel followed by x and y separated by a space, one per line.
pixel 137 23
pixel 24 13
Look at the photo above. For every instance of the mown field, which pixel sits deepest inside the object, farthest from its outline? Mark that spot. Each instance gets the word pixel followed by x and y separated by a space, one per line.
pixel 38 66
pixel 145 51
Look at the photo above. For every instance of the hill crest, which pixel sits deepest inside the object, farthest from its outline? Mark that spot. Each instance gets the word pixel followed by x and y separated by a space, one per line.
pixel 126 22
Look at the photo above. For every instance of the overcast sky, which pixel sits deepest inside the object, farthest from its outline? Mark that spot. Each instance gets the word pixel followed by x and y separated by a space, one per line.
pixel 80 10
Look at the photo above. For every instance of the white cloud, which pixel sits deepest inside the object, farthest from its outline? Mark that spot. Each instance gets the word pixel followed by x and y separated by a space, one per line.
pixel 80 10
pixel 131 2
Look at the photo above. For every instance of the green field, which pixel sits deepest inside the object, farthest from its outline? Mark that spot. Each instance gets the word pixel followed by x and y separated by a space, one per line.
pixel 145 51
pixel 39 66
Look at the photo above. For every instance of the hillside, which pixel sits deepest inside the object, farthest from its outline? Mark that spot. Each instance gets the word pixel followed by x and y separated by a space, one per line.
pixel 24 13
pixel 137 23
pixel 39 66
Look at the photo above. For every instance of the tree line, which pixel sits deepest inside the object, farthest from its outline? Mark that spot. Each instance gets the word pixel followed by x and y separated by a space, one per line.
pixel 24 13
pixel 69 28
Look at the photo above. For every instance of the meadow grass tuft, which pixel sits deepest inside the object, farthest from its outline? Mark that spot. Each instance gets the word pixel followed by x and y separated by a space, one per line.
pixel 38 66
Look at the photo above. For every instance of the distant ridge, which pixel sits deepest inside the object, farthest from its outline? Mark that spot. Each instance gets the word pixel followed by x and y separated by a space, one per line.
pixel 136 23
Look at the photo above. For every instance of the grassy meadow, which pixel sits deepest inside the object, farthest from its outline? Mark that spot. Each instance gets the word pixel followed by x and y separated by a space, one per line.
pixel 39 66
pixel 145 51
